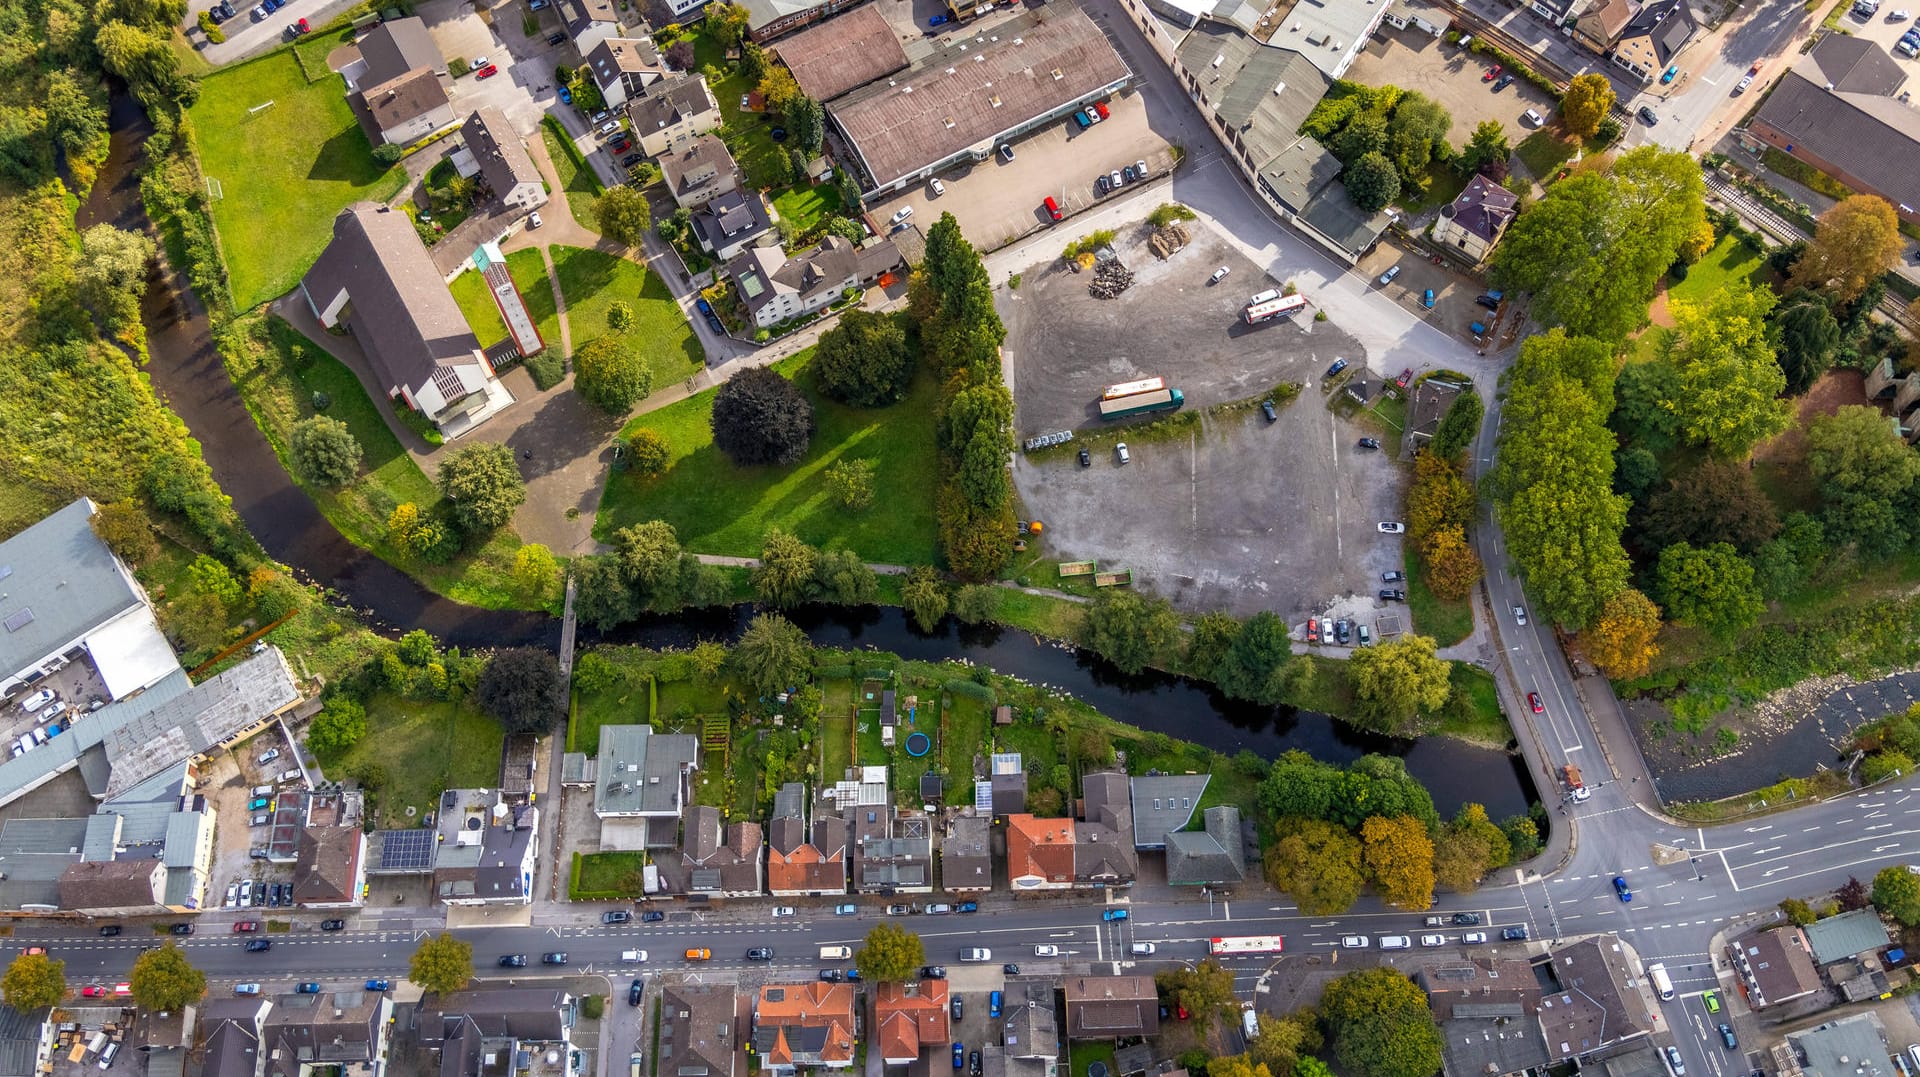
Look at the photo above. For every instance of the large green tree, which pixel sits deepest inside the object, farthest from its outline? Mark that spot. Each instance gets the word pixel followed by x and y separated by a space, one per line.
pixel 1896 892
pixel 1206 990
pixel 760 418
pixel 611 374
pixel 1727 396
pixel 1869 479
pixel 773 654
pixel 34 981
pixel 1399 685
pixel 1487 150
pixel 111 274
pixel 442 964
pixel 1372 181
pixel 1417 136
pixel 163 979
pixel 325 451
pixel 1379 1025
pixel 1808 336
pixel 786 573
pixel 1853 243
pixel 1318 863
pixel 891 954
pixel 1710 587
pixel 523 689
pixel 484 485
pixel 1717 500
pixel 924 596
pixel 623 215
pixel 865 360
pixel 1129 628
pixel 1585 103
pixel 1253 665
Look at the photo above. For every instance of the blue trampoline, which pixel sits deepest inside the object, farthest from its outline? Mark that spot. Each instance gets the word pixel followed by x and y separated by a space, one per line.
pixel 918 744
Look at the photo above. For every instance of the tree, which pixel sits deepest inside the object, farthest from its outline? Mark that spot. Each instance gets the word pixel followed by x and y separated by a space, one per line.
pixel 197 619
pixel 164 980
pixel 647 453
pixel 124 527
pixel 1798 912
pixel 623 215
pixel 1728 393
pixel 728 22
pixel 1309 1066
pixel 1710 587
pixel 110 275
pixel 1587 101
pixel 611 375
pixel 1399 857
pixel 76 116
pixel 1452 568
pixel 1488 147
pixel 214 578
pixel 778 90
pixel 924 596
pixel 841 578
pixel 1853 243
pixel 1621 641
pixel 1458 427
pixel 442 965
pixel 1317 862
pixel 1467 849
pixel 34 981
pixel 523 688
pixel 602 597
pixel 619 317
pixel 1129 628
pixel 1251 667
pixel 1417 136
pixel 1284 1041
pixel 535 571
pixel 1867 478
pixel 273 595
pixel 1640 413
pixel 1717 500
pixel 325 451
pixel 1853 895
pixel 1237 1066
pixel 760 417
pixel 1896 892
pixel 649 555
pixel 1372 181
pixel 1212 635
pixel 1364 134
pixel 679 55
pixel 772 655
pixel 851 483
pixel 484 485
pixel 806 125
pixel 785 575
pixel 865 360
pixel 1397 682
pixel 976 603
pixel 338 727
pixel 1206 990
pixel 1808 336
pixel 890 954
pixel 1379 1024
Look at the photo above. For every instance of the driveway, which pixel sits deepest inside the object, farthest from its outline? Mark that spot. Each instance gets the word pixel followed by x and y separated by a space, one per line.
pixel 1451 76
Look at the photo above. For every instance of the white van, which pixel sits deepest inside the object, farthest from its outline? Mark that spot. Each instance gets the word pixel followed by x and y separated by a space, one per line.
pixel 1661 981
pixel 95 1042
pixel 976 954
pixel 107 1055
pixel 1395 942
pixel 633 957
pixel 836 953
pixel 1267 296
pixel 1249 1021
pixel 1141 949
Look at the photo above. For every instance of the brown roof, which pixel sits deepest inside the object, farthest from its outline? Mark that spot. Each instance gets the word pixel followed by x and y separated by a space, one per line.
pixel 842 53
pixel 1595 1005
pixel 1608 17
pixel 396 47
pixel 1040 847
pixel 976 89
pixel 111 884
pixel 910 1017
pixel 670 103
pixel 405 97
pixel 810 1021
pixel 1103 839
pixel 1103 1007
pixel 328 865
pixel 703 161
pixel 1778 964
pixel 794 863
pixel 624 56
pixel 1852 65
pixel 700 1023
pixel 497 149
pixel 1483 208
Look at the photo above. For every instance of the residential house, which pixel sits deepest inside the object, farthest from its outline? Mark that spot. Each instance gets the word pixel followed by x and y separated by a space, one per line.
pixel 1215 856
pixel 377 281
pixel 1775 965
pixel 698 172
pixel 486 849
pixel 1008 775
pixel 493 151
pixel 332 870
pixel 909 1019
pixel 1039 853
pixel 623 68
pixel 776 288
pixel 642 784
pixel 114 887
pixel 1597 1005
pixel 477 1031
pixel 342 1032
pixel 842 53
pixel 698 1030
pixel 1562 15
pixel 1599 27
pixel 1473 222
pixel 1485 1008
pixel 164 1037
pixel 895 856
pixel 1836 110
pixel 1164 804
pixel 717 860
pixel 399 87
pixel 1103 852
pixel 732 222
pixel 1432 397
pixel 800 864
pixel 1111 1007
pixel 966 855
pixel 806 1025
pixel 667 119
pixel 1849 934
pixel 1030 1035
pixel 1653 37
pixel 1855 1046
pixel 229 1030
pixel 591 22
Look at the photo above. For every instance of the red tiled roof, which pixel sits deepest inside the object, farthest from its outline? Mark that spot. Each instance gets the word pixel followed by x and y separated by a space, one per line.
pixel 1040 847
pixel 910 1017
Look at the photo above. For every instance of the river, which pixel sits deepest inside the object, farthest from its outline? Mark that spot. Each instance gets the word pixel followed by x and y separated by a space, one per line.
pixel 188 374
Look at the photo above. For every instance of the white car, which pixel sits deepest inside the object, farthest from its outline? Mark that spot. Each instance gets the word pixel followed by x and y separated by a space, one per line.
pixel 1433 940
pixel 937 187
pixel 1582 793
pixel 534 221
pixel 900 215
pixel 1520 616
pixel 976 954
pixel 1218 275
pixel 38 700
pixel 269 755
pixel 1388 527
pixel 1046 951
pixel 782 910
pixel 1474 938
pixel 480 62
pixel 233 895
pixel 1532 118
pixel 1354 942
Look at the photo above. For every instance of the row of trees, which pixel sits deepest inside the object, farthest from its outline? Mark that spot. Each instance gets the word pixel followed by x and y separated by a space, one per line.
pixel 647 572
pixel 1376 1022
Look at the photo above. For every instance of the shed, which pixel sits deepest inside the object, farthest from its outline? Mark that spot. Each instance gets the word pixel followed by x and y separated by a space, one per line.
pixel 1003 715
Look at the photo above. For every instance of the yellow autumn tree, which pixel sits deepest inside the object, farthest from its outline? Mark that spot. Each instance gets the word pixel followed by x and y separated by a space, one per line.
pixel 1399 857
pixel 1452 566
pixel 1622 641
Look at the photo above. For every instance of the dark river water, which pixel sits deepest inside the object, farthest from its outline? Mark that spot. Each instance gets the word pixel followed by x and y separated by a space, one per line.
pixel 189 376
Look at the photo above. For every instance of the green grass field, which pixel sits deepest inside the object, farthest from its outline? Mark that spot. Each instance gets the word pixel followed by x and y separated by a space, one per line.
pixel 476 302
pixel 747 138
pixel 593 281
pixel 722 509
pixel 284 173
pixel 578 184
pixel 605 873
pixel 1543 152
pixel 529 273
pixel 806 207
pixel 1447 622
pixel 422 748
pixel 1730 260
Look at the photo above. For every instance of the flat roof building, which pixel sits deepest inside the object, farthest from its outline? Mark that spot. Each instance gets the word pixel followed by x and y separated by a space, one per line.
pixel 843 53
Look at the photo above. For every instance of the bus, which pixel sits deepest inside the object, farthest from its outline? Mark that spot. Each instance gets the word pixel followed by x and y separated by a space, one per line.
pixel 1244 944
pixel 1141 403
pixel 1133 388
pixel 1283 307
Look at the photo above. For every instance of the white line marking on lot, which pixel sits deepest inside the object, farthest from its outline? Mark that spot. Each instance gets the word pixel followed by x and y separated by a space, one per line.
pixel 1333 435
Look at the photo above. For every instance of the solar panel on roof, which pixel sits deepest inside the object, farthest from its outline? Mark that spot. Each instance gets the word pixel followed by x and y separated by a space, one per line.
pixel 20 620
pixel 405 849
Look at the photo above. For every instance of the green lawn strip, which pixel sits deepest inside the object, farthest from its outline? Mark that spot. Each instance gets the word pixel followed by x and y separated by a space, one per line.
pixel 529 272
pixel 284 172
pixel 623 702
pixel 606 873
pixel 836 728
pixel 593 281
pixel 419 749
pixel 684 701
pixel 1730 260
pixel 1448 622
pixel 577 180
pixel 722 509
pixel 1085 1054
pixel 806 207
pixel 1444 184
pixel 476 301
pixel 1486 723
pixel 747 137
pixel 1055 618
pixel 968 726
pixel 1543 152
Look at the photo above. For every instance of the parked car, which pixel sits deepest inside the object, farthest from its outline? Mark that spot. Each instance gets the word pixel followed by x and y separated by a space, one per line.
pixel 1366 636
pixel 1426 300
pixel 559 37
pixel 1394 576
pixel 1342 630
pixel 379 985
pixel 1391 527
pixel 1532 118
pixel 246 927
pixel 1006 152
pixel 967 906
pixel 93 991
pixel 1218 275
pixel 782 910
pixel 1387 277
pixel 180 929
pixel 1392 595
pixel 1101 184
pixel 1052 207
pixel 1492 73
pixel 513 961
pixel 900 215
pixel 110 930
pixel 1487 301
pixel 939 910
pixel 1121 454
pixel 959 1055
pixel 1355 942
pixel 1474 938
pixel 1746 80
pixel 1669 74
pixel 1044 950
pixel 486 72
pixel 938 20
pixel 554 957
pixel 1129 175
pixel 1502 83
pixel 1646 116
pixel 566 95
pixel 618 916
pixel 936 187
pixel 1370 443
pixel 1080 120
pixel 38 700
pixel 246 989
pixel 634 992
pixel 1431 941
pixel 933 972
pixel 957 1006
pixel 1115 178
pixel 1267 409
pixel 1313 630
pixel 1466 919
pixel 332 925
pixel 269 756
pixel 1516 933
pixel 652 916
pixel 1337 367
pixel 993 1004
pixel 1086 458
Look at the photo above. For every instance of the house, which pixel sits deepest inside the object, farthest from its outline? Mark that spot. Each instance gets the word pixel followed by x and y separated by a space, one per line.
pixel 474 1032
pixel 1836 110
pixel 494 152
pixel 1432 398
pixel 698 1029
pixel 623 68
pixel 1163 804
pixel 164 1037
pixel 1598 1005
pixel 966 855
pixel 1485 1009
pixel 972 94
pixel 229 1031
pixel 642 784
pixel 1008 777
pixel 342 1032
pixel 1103 838
pixel 1215 856
pixel 1559 14
pixel 1039 853
pixel 69 599
pixel 332 869
pixel 1776 966
pixel 591 22
pixel 908 1019
pixel 1029 1035
pixel 1473 222
pixel 1653 37
pixel 717 860
pixel 1856 1046
pixel 800 864
pixel 768 19
pixel 1428 18
pixel 699 171
pixel 1111 1007
pixel 114 887
pixel 486 848
pixel 668 119
pixel 1837 938
pixel 732 222
pixel 399 87
pixel 805 1025
pixel 895 856
pixel 377 281
pixel 776 288
pixel 1599 27
pixel 842 53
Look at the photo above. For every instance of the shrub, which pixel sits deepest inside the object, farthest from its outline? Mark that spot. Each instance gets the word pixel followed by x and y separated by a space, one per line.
pixel 547 369
pixel 325 451
pixel 646 452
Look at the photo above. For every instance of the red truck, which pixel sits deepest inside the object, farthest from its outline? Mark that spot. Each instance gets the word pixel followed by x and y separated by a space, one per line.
pixel 1578 788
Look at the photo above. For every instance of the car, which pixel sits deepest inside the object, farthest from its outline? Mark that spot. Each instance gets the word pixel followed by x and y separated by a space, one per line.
pixel 1080 120
pixel 1342 630
pixel 1487 301
pixel 1387 277
pixel 1114 178
pixel 1045 950
pixel 486 72
pixel 566 95
pixel 269 756
pixel 246 927
pixel 246 989
pixel 1114 914
pixel 1355 942
pixel 256 946
pixel 379 985
pixel 938 20
pixel 899 910
pixel 618 916
pixel 1712 1000
pixel 1130 175
pixel 1370 443
pixel 1502 83
pixel 93 991
pixel 1121 454
pixel 110 930
pixel 259 803
pixel 899 216
pixel 513 961
pixel 1726 1037
pixel 1006 151
pixel 760 953
pixel 302 27
pixel 480 62
pixel 1433 940
pixel 967 906
pixel 1466 919
pixel 632 159
pixel 938 910
pixel 1092 116
pixel 957 1006
pixel 555 957
pixel 1366 636
pixel 1218 275
pixel 1474 938
pixel 973 1061
pixel 1621 888
pixel 975 955
pixel 216 14
pixel 1646 116
pixel 1669 74
pixel 652 916
pixel 853 976
pixel 620 144
pixel 1533 700
pixel 1520 616
pixel 936 187
pixel 259 13
pixel 1532 118
pixel 1426 300
pixel 332 925
pixel 1313 630
pixel 832 976
pixel 1100 183
pixel 1053 208
pixel 1010 969
pixel 558 37
pixel 959 1055
pixel 699 953
pixel 1266 409
pixel 1492 73
pixel 1394 576
pixel 1337 367
pixel 635 990
pixel 262 819
pixel 1391 527
pixel 1678 1065
pixel 180 929
pixel 848 909
pixel 933 972
pixel 233 895
pixel 782 910
pixel 1405 376
pixel 994 1000
pixel 1516 933
pixel 38 700
pixel 1086 458
pixel 1746 80
pixel 308 988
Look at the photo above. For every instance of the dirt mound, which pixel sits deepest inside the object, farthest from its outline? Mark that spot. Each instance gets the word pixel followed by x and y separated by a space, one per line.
pixel 1165 241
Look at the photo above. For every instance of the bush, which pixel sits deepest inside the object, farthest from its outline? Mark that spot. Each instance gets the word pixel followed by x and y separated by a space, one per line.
pixel 646 452
pixel 611 375
pixel 547 369
pixel 389 154
pixel 325 451
pixel 458 67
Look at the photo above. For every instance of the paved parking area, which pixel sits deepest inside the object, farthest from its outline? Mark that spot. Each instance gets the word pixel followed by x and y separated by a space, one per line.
pixel 1882 29
pixel 245 37
pixel 1450 76
pixel 1454 310
pixel 1244 516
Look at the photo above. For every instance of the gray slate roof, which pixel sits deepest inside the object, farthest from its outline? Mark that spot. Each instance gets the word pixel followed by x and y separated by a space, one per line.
pixel 1214 855
pixel 396 47
pixel 1875 139
pixel 1262 92
pixel 640 770
pixel 1162 804
pixel 19 1040
pixel 58 581
pixel 1483 208
pixel 734 216
pixel 1837 938
pixel 669 103
pixel 1667 22
pixel 209 714
pixel 497 149
pixel 1853 65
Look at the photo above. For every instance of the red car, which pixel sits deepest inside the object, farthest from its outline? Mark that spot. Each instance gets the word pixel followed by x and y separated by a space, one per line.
pixel 94 991
pixel 1313 630
pixel 1053 209
pixel 303 27
pixel 246 927
pixel 1101 108
pixel 1181 1011
pixel 487 72
pixel 1533 700
pixel 1405 377
pixel 1492 73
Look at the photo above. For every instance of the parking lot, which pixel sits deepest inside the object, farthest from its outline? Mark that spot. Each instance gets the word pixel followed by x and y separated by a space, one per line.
pixel 1453 310
pixel 1247 515
pixel 1882 29
pixel 230 781
pixel 1451 76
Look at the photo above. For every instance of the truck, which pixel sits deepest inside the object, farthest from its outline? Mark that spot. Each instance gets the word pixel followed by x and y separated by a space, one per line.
pixel 1142 403
pixel 1133 388
pixel 1249 1021
pixel 836 953
pixel 1661 981
pixel 1575 787
pixel 1281 307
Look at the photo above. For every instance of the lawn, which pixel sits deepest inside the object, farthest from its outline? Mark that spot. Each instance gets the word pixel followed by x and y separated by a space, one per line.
pixel 722 509
pixel 807 207
pixel 1447 622
pixel 593 281
pixel 529 273
pixel 476 302
pixel 1444 184
pixel 417 751
pixel 1730 260
pixel 1543 152
pixel 746 136
pixel 578 184
pixel 607 873
pixel 1485 723
pixel 284 173
pixel 1085 1054
pixel 967 731
pixel 681 701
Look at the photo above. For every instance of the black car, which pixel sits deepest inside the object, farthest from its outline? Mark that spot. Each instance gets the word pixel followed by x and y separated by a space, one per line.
pixel 713 323
pixel 633 993
pixel 1647 117
pixel 1487 301
pixel 959 1007
pixel 1266 408
pixel 1010 970
pixel 616 917
pixel 832 976
pixel 933 972
pixel 973 1061
pixel 1086 458
pixel 652 916
pixel 1466 919
pixel 1342 630
pixel 181 929
pixel 556 957
pixel 1126 174
pixel 513 961
pixel 1517 933
pixel 110 930
pixel 1369 443
pixel 1393 596
pixel 556 38
pixel 1102 184
pixel 760 953
pixel 333 925
pixel 255 946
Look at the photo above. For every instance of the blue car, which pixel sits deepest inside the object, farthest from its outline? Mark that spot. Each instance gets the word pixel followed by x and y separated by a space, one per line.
pixel 307 989
pixel 959 1056
pixel 1114 914
pixel 1668 75
pixel 566 95
pixel 967 906
pixel 379 985
pixel 938 20
pixel 1426 299
pixel 1620 887
pixel 848 909
pixel 1337 367
pixel 993 1004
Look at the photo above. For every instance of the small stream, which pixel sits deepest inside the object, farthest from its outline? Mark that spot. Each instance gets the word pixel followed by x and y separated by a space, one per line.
pixel 188 374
